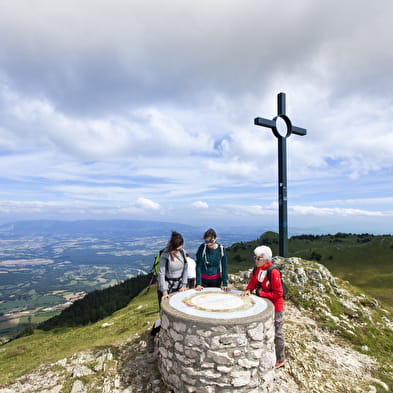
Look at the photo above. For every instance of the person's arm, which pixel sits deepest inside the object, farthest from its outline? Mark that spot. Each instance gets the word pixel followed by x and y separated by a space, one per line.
pixel 275 283
pixel 198 265
pixel 251 285
pixel 162 284
pixel 185 270
pixel 253 281
pixel 224 269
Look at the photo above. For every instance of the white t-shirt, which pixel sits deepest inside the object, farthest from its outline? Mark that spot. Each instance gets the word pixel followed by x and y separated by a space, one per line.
pixel 191 268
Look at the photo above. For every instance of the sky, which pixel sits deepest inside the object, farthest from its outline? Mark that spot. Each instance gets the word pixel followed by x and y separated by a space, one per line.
pixel 131 109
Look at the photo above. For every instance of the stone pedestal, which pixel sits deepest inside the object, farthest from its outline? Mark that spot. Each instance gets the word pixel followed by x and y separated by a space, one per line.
pixel 212 341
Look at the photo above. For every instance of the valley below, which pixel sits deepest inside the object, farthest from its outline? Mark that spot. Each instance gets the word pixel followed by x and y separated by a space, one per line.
pixel 41 276
pixel 44 270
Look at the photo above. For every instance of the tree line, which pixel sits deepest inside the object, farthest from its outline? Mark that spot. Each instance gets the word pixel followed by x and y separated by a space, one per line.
pixel 98 304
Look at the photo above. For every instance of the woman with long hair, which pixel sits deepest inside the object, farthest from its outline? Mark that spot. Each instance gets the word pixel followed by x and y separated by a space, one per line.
pixel 172 277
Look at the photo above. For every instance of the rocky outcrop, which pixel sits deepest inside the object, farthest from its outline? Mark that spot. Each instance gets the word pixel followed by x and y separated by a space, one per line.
pixel 320 313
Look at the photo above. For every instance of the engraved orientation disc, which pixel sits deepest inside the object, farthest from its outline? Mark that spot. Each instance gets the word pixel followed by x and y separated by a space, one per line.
pixel 219 302
pixel 215 303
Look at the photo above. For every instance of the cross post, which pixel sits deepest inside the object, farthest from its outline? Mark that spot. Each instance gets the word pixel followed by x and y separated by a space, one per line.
pixel 282 128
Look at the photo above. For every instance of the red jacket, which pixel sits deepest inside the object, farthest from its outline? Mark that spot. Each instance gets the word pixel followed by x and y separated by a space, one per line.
pixel 276 295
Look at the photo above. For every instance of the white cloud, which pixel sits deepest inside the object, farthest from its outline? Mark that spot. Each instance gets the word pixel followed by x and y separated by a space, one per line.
pixel 200 205
pixel 148 204
pixel 34 123
pixel 338 212
pixel 104 104
pixel 362 201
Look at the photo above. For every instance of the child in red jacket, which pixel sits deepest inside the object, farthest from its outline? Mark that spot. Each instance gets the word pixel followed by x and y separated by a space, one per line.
pixel 271 290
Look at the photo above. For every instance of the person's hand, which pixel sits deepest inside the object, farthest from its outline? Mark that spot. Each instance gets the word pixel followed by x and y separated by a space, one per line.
pixel 245 293
pixel 165 296
pixel 182 289
pixel 199 287
pixel 226 289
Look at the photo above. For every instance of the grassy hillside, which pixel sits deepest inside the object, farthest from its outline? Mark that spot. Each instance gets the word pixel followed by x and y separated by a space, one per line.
pixel 338 319
pixel 20 356
pixel 365 260
pixel 98 304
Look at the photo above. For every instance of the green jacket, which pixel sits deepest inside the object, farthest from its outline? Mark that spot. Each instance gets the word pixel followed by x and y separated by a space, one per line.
pixel 210 262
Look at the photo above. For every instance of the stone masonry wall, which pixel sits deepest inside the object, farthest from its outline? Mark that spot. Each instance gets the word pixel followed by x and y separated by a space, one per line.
pixel 202 355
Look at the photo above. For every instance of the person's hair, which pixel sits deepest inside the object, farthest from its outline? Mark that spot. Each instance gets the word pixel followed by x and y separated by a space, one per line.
pixel 210 233
pixel 175 241
pixel 264 251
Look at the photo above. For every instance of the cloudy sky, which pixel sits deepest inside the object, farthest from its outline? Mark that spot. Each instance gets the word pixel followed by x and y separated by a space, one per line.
pixel 144 109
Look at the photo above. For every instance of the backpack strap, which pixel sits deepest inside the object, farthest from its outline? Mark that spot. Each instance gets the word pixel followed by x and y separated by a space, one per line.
pixel 222 250
pixel 185 261
pixel 184 268
pixel 205 257
pixel 269 275
pixel 204 253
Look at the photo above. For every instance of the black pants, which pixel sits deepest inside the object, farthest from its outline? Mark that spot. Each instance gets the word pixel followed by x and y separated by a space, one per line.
pixel 155 329
pixel 216 282
pixel 159 297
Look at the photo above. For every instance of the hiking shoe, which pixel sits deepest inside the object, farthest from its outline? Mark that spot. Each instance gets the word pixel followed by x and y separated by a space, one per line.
pixel 279 364
pixel 150 343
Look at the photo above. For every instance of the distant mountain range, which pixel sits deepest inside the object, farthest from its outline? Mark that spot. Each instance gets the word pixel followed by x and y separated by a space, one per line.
pixel 123 228
pixel 93 227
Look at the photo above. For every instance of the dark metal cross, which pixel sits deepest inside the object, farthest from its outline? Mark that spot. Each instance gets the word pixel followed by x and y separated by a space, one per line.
pixel 282 128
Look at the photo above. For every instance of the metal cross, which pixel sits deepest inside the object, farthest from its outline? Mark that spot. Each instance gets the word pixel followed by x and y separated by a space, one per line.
pixel 282 128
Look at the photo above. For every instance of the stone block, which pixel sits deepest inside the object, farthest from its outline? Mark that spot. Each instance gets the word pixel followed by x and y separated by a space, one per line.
pixel 184 360
pixel 203 389
pixel 206 365
pixel 209 374
pixel 240 378
pixel 174 380
pixel 204 333
pixel 179 347
pixel 163 352
pixel 224 369
pixel 176 336
pixel 188 380
pixel 194 341
pixel 164 322
pixel 179 327
pixel 257 334
pixel 192 353
pixel 220 358
pixel 245 363
pixel 228 341
pixel 255 353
